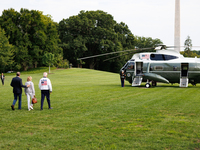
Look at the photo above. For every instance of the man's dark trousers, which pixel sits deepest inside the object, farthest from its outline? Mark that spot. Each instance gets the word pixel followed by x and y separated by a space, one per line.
pixel 20 100
pixel 43 94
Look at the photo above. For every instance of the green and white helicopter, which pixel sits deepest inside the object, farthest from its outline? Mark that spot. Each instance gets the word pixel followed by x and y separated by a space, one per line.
pixel 164 65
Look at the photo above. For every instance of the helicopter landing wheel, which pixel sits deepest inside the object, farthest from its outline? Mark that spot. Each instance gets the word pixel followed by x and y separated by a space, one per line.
pixel 147 85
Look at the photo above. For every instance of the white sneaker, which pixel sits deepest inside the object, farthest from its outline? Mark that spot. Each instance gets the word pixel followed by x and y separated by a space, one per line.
pixel 31 107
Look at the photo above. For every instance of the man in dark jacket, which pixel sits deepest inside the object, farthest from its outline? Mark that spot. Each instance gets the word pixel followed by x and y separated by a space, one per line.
pixel 17 85
pixel 122 77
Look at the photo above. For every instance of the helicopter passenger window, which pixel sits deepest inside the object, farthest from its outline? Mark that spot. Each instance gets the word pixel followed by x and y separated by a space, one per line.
pixel 169 57
pixel 156 57
pixel 158 68
pixel 151 68
pixel 162 57
pixel 185 68
pixel 175 68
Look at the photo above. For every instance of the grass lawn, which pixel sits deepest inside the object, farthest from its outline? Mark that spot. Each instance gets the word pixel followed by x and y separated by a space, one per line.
pixel 91 111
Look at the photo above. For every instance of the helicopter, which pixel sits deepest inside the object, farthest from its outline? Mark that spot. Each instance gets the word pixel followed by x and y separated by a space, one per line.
pixel 165 65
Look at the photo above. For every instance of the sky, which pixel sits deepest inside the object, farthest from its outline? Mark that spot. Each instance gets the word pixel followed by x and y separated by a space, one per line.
pixel 148 18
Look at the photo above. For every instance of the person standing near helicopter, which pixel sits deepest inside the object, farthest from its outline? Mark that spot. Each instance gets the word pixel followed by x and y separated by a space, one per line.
pixel 122 77
pixel 2 78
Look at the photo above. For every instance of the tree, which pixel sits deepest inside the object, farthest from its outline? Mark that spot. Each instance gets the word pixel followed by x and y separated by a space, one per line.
pixel 6 51
pixel 146 42
pixel 91 33
pixel 48 58
pixel 188 49
pixel 32 33
pixel 188 46
pixel 197 52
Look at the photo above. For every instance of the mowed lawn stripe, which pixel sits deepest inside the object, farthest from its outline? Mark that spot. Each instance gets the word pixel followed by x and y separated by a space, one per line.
pixel 92 111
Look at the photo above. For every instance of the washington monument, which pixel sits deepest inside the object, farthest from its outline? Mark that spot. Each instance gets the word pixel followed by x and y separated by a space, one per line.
pixel 177 26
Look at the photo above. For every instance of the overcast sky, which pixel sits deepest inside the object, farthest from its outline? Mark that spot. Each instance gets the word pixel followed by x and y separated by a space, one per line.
pixel 148 18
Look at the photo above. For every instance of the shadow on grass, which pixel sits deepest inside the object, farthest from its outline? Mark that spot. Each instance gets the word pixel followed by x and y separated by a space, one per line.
pixel 171 86
pixel 158 86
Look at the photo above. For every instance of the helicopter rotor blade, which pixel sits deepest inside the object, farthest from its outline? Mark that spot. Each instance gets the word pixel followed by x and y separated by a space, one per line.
pixel 137 49
pixel 103 54
pixel 127 54
pixel 117 56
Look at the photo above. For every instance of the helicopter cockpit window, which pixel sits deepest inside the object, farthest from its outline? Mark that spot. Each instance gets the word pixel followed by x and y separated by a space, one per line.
pixel 131 65
pixel 162 57
pixel 125 66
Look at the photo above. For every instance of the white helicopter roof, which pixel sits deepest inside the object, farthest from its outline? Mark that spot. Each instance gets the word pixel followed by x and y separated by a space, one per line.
pixel 146 55
pixel 169 52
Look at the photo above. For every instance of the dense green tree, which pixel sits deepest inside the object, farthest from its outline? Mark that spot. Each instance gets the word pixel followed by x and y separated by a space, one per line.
pixel 59 62
pixel 191 54
pixel 146 42
pixel 6 51
pixel 197 52
pixel 91 33
pixel 188 49
pixel 32 33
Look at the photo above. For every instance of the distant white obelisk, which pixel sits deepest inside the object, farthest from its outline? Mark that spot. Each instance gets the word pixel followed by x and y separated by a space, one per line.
pixel 177 33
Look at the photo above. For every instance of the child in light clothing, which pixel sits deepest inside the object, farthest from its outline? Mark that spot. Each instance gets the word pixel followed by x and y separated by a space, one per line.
pixel 30 92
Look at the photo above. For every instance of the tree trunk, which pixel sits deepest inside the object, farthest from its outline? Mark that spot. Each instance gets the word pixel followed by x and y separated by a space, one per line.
pixel 24 66
pixel 36 64
pixel 92 65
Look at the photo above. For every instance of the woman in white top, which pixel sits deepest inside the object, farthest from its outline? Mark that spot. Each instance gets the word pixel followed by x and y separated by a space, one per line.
pixel 30 92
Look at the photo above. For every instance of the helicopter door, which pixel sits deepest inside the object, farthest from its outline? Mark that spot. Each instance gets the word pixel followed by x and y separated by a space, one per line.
pixel 184 75
pixel 137 77
pixel 138 68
